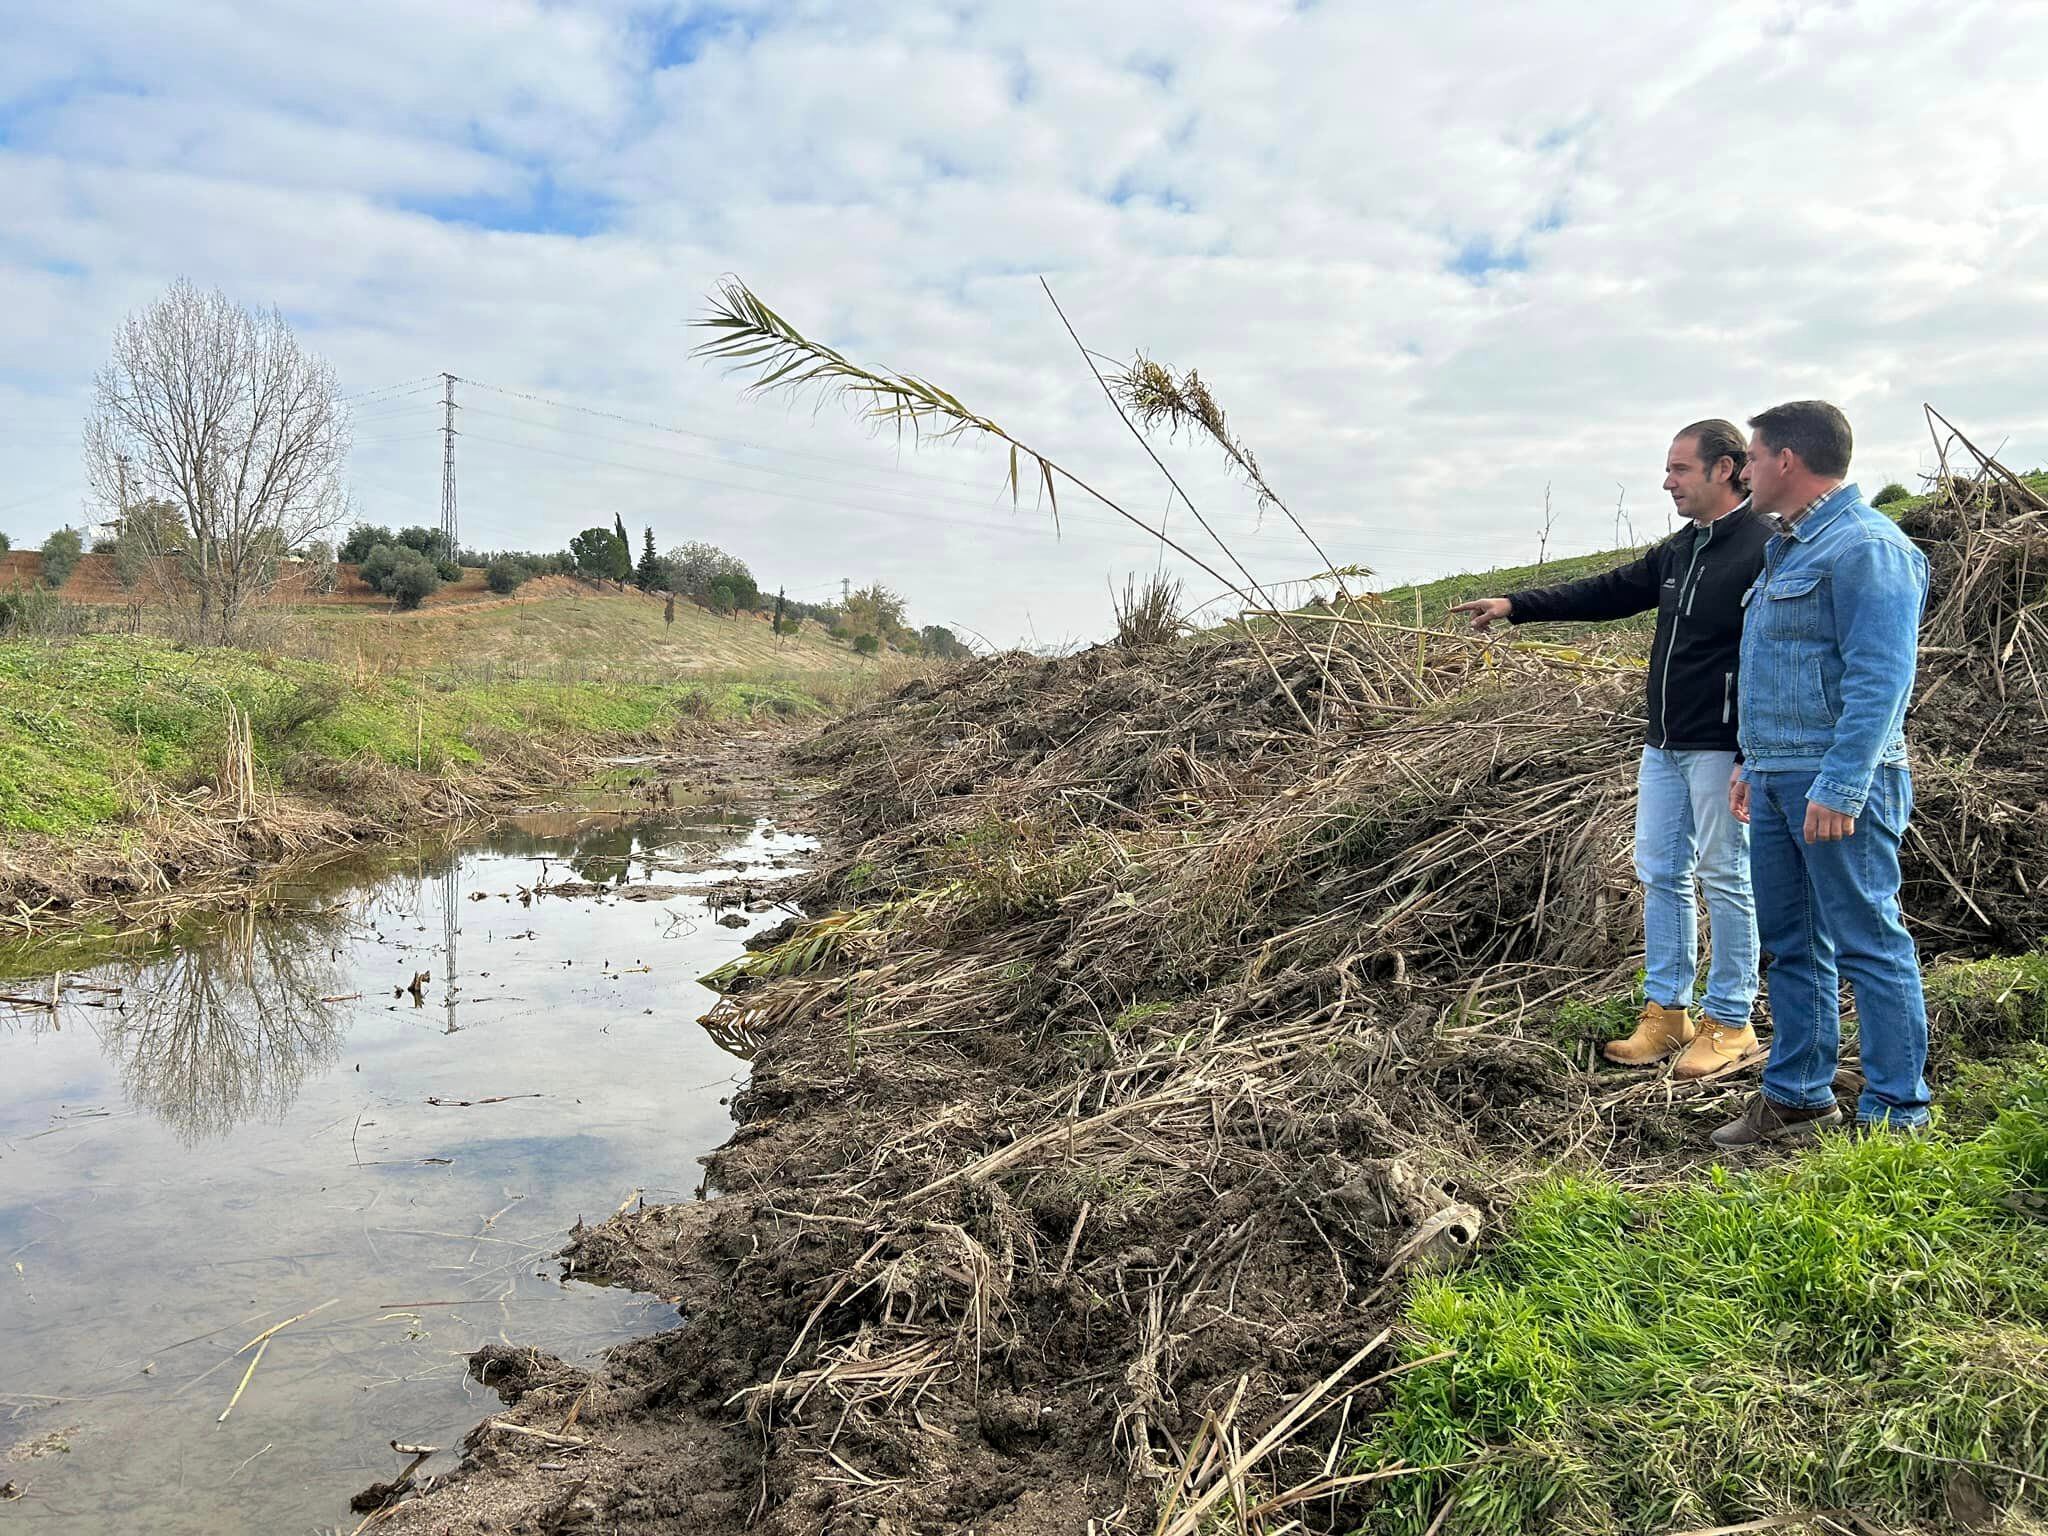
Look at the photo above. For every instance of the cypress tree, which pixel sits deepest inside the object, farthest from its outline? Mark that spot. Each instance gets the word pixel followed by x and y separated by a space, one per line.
pixel 650 564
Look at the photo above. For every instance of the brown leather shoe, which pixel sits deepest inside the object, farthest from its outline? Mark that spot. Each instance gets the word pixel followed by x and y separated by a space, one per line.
pixel 1761 1121
pixel 1715 1049
pixel 1659 1032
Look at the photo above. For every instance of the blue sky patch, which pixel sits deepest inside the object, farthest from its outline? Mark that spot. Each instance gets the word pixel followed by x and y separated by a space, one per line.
pixel 1477 260
pixel 1130 188
pixel 683 42
pixel 544 207
pixel 1154 67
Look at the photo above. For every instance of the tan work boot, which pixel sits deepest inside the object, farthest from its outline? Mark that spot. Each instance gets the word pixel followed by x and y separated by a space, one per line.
pixel 1715 1049
pixel 1659 1032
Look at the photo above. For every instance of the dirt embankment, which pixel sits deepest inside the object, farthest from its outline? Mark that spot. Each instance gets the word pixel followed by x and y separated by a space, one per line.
pixel 1164 1016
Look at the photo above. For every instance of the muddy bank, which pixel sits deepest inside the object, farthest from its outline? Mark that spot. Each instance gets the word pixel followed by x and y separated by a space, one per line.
pixel 1049 1202
pixel 1162 1016
pixel 202 850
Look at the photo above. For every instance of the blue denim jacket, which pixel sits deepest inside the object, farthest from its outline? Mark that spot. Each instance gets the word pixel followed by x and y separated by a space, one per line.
pixel 1830 638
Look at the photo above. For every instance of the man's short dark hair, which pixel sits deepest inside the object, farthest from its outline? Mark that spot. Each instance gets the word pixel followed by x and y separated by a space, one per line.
pixel 1812 429
pixel 1718 440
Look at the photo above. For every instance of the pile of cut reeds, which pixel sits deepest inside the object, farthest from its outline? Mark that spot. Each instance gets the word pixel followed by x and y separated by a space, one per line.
pixel 1149 985
pixel 1977 874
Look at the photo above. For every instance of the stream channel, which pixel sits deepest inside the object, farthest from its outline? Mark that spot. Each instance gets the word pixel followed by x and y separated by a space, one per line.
pixel 251 1118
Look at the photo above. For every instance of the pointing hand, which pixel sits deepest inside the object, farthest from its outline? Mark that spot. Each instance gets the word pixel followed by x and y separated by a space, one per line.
pixel 1484 611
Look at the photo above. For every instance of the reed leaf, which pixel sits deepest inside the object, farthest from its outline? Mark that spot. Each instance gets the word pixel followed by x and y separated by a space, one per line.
pixel 752 338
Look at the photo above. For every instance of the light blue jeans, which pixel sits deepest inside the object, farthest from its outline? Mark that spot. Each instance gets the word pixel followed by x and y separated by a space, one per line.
pixel 1830 911
pixel 1686 833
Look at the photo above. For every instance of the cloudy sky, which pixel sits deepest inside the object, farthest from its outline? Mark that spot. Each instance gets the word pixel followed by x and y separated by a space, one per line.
pixel 1431 263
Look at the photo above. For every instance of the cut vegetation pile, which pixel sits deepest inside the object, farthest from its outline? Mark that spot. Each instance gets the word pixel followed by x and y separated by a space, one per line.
pixel 1178 1028
pixel 1980 717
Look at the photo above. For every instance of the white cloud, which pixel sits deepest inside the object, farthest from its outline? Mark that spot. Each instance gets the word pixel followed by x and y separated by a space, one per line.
pixel 1692 210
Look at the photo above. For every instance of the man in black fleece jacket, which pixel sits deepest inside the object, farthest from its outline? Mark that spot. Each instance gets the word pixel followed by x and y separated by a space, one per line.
pixel 1685 830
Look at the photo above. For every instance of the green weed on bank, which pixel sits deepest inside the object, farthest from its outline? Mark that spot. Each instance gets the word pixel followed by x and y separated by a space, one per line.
pixel 83 724
pixel 1839 1333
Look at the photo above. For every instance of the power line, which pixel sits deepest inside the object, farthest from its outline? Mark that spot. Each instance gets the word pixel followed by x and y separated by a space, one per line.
pixel 1374 540
pixel 28 501
pixel 392 412
pixel 734 442
pixel 406 498
pixel 923 498
pixel 759 469
pixel 762 490
pixel 1378 542
pixel 963 524
pixel 424 381
pixel 392 407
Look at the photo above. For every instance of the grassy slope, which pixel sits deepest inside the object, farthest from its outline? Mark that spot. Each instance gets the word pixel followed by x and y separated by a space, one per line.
pixel 79 721
pixel 1815 1335
pixel 1757 1341
pixel 576 629
pixel 1437 596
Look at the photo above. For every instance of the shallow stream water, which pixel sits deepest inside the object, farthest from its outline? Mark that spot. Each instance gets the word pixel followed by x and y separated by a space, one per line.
pixel 255 1120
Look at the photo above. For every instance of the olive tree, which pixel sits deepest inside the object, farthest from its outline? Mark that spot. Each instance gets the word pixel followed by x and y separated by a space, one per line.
pixel 692 567
pixel 220 412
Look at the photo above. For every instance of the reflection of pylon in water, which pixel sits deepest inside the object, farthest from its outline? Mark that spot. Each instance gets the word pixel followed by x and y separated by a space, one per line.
pixel 451 893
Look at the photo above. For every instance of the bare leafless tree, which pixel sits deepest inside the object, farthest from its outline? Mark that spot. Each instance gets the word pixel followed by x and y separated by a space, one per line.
pixel 1624 525
pixel 1549 522
pixel 220 412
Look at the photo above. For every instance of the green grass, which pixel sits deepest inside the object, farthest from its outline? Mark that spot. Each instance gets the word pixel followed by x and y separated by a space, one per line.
pixel 1438 596
pixel 1598 1020
pixel 565 627
pixel 84 725
pixel 1980 1007
pixel 1815 1336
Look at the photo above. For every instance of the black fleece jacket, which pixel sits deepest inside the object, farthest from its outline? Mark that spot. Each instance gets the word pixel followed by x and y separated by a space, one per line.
pixel 1697 590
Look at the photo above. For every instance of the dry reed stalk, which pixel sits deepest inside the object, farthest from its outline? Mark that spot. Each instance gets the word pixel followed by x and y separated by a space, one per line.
pixel 261 1343
pixel 1153 393
pixel 757 339
pixel 1216 538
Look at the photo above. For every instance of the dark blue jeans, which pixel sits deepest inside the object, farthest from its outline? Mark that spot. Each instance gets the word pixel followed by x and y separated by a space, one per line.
pixel 1828 911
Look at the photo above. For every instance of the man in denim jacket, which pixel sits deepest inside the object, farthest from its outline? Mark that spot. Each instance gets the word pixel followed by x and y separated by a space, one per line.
pixel 1829 641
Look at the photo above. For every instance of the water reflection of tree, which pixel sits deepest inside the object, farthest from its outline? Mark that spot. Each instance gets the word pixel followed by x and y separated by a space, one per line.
pixel 229 1028
pixel 603 855
pixel 603 852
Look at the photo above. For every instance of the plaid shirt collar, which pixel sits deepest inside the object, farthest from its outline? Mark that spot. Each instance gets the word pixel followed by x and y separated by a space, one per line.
pixel 1785 525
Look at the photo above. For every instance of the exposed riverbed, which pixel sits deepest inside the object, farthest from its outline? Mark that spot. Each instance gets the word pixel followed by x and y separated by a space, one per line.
pixel 226 1127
